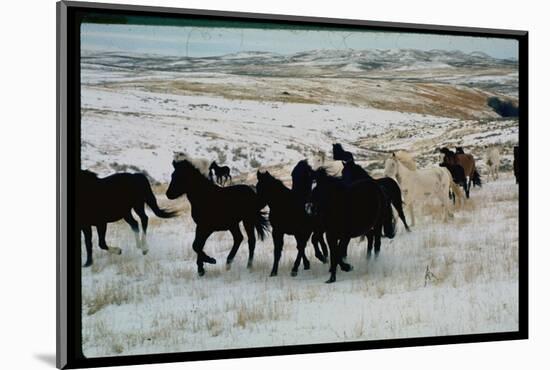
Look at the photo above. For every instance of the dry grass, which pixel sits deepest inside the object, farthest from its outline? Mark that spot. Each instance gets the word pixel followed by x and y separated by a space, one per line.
pixel 399 95
pixel 109 294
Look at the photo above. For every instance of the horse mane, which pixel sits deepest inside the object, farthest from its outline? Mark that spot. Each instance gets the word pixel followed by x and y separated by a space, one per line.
pixel 191 167
pixel 406 159
pixel 303 164
pixel 200 164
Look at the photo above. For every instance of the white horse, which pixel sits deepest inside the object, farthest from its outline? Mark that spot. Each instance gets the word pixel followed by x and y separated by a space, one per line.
pixel 492 159
pixel 419 185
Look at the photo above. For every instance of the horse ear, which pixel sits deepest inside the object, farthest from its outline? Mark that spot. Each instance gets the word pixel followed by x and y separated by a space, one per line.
pixel 258 174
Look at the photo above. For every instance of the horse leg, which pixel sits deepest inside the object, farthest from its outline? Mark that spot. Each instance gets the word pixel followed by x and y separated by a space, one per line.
pixel 370 239
pixel 344 242
pixel 87 230
pixel 135 228
pixel 230 179
pixel 446 208
pixel 144 222
pixel 334 257
pixel 343 251
pixel 305 260
pixel 468 186
pixel 249 228
pixel 301 242
pixel 465 187
pixel 410 206
pixel 237 240
pixel 101 231
pixel 278 241
pixel 317 238
pixel 198 245
pixel 377 240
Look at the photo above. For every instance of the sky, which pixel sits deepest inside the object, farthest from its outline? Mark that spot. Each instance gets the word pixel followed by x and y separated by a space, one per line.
pixel 194 41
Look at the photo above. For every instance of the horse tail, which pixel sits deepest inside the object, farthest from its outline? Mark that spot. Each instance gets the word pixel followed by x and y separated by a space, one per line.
pixel 152 201
pixel 397 202
pixel 388 219
pixel 476 178
pixel 261 224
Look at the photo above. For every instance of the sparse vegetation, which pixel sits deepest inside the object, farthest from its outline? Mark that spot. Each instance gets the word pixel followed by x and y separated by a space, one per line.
pixel 254 163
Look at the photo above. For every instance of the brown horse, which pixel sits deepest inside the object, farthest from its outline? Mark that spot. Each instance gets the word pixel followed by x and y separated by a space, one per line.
pixel 467 162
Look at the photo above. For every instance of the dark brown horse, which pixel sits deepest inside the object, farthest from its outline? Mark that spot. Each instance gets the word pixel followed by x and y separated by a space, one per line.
pixel 467 162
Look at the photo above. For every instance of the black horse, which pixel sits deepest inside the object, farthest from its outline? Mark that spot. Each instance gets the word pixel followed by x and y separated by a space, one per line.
pixel 302 181
pixel 218 209
pixel 353 172
pixel 346 212
pixel 457 173
pixel 516 163
pixel 109 199
pixel 339 154
pixel 222 173
pixel 287 215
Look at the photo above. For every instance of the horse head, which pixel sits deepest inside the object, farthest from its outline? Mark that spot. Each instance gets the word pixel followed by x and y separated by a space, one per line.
pixel 183 178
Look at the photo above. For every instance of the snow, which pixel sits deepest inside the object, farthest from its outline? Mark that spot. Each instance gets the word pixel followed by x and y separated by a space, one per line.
pixel 165 306
pixel 135 304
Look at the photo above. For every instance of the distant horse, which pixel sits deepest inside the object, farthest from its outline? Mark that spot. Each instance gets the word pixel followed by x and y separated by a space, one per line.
pixel 416 185
pixel 346 212
pixel 109 199
pixel 339 154
pixel 218 209
pixel 222 173
pixel 458 178
pixel 287 215
pixel 492 159
pixel 353 172
pixel 516 163
pixel 467 162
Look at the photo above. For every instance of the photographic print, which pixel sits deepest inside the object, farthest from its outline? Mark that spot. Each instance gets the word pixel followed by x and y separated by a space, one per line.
pixel 249 184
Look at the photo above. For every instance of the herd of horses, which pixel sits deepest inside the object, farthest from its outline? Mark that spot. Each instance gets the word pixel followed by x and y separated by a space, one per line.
pixel 327 209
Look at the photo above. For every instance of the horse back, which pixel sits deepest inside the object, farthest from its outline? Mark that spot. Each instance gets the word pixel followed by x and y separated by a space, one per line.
pixel 111 198
pixel 467 162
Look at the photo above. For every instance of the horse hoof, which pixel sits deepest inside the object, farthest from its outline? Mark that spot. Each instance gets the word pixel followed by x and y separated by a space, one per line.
pixel 228 266
pixel 307 267
pixel 273 274
pixel 294 273
pixel 87 264
pixel 201 272
pixel 145 251
pixel 249 265
pixel 210 260
pixel 347 267
pixel 331 280
pixel 115 250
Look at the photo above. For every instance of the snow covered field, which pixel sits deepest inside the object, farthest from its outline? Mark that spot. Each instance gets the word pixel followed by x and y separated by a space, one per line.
pixel 134 119
pixel 134 304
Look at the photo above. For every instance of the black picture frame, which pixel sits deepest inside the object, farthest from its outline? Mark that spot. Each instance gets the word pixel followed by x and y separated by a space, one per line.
pixel 69 352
